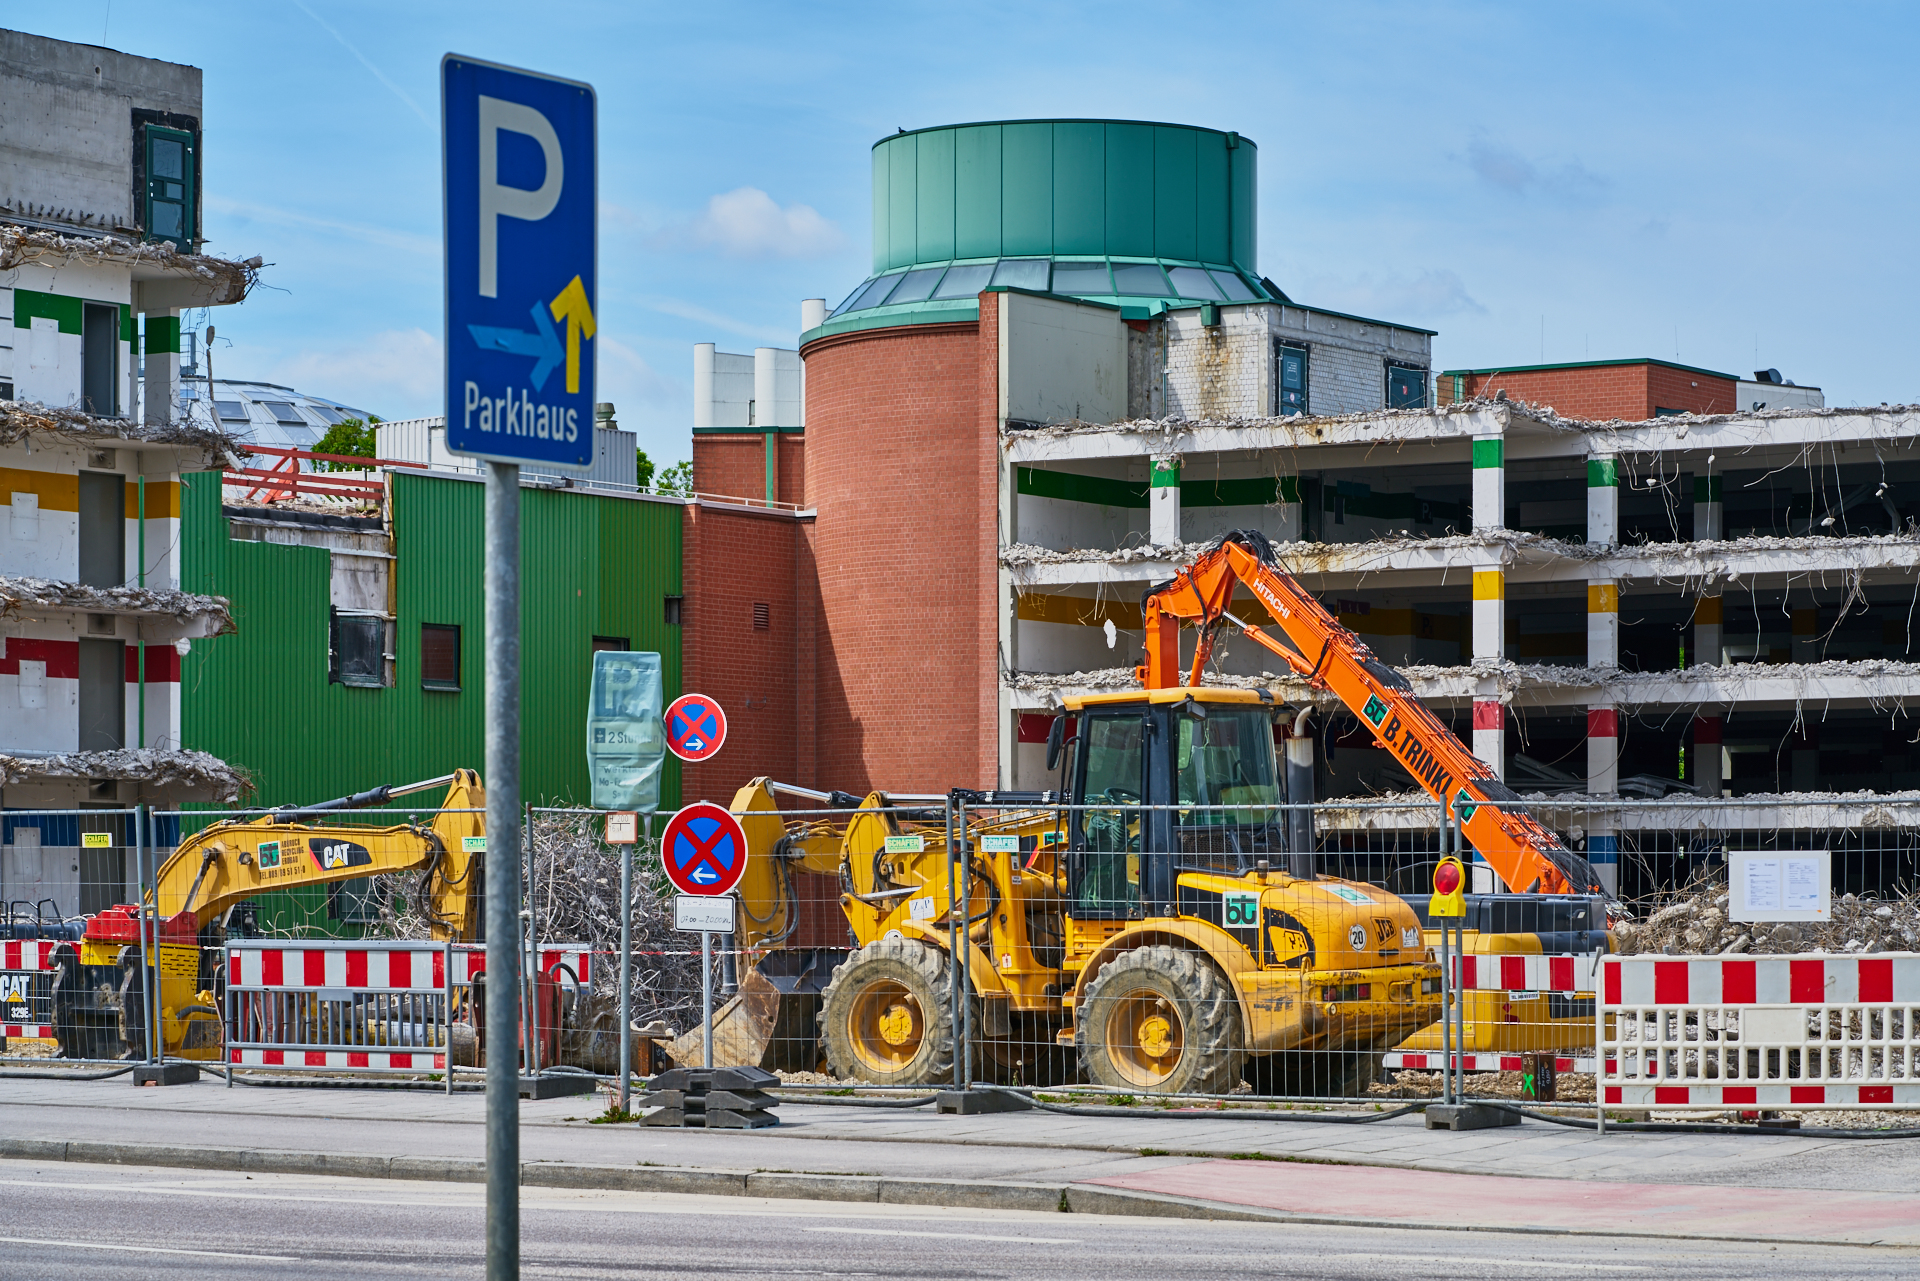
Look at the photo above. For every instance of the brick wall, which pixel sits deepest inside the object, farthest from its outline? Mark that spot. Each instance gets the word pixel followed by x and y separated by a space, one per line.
pixel 1631 392
pixel 733 558
pixel 737 466
pixel 734 465
pixel 899 467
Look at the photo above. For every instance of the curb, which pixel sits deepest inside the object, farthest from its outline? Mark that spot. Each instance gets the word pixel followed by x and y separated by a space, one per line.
pixel 1075 1198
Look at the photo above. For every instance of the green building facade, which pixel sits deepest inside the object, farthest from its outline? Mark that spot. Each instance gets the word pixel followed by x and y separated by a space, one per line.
pixel 598 570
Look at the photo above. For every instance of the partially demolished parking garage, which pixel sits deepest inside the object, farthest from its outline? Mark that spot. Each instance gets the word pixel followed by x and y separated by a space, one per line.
pixel 1717 611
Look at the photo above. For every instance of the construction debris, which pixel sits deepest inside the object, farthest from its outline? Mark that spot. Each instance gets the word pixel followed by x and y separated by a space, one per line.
pixel 23 420
pixel 230 281
pixel 1569 1087
pixel 204 775
pixel 212 613
pixel 1694 923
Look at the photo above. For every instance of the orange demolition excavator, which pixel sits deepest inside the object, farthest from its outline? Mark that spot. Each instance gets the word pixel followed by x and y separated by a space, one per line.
pixel 1528 857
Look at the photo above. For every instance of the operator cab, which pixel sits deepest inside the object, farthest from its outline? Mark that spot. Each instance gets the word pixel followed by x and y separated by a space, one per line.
pixel 1173 780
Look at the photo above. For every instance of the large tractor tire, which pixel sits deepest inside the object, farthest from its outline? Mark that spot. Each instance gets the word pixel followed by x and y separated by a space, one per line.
pixel 885 1017
pixel 1161 1019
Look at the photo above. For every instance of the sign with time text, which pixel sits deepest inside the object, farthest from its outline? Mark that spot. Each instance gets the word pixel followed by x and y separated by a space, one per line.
pixel 519 166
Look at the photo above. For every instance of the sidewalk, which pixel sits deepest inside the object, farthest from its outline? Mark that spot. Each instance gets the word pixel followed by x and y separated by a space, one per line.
pixel 1532 1177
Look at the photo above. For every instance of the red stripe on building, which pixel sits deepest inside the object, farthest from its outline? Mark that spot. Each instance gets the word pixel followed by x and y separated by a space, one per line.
pixel 163 665
pixel 1489 715
pixel 61 657
pixel 1603 722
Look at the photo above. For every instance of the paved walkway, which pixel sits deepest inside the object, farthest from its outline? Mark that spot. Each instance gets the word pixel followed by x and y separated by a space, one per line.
pixel 1528 1176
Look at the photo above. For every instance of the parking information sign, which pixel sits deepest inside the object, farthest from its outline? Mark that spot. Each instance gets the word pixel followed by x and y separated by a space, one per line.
pixel 520 208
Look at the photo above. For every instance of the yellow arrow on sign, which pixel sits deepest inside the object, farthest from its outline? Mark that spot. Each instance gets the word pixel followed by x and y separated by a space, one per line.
pixel 571 306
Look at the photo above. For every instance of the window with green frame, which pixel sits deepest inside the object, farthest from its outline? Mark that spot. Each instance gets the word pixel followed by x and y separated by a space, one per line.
pixel 169 196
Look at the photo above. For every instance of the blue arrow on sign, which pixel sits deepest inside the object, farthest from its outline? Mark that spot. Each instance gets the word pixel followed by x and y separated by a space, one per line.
pixel 543 344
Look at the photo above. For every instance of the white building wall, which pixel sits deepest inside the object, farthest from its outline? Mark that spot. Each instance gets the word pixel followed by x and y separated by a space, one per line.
pixel 1751 396
pixel 1061 361
pixel 1226 370
pixel 722 387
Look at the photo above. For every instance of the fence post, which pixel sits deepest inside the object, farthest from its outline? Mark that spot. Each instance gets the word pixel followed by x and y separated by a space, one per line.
pixel 965 959
pixel 626 974
pixel 955 929
pixel 446 978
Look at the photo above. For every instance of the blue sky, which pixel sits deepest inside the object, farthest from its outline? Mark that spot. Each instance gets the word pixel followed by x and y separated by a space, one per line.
pixel 1731 184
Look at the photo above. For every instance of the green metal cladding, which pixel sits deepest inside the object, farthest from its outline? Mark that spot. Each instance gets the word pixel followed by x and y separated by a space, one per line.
pixel 1065 187
pixel 260 699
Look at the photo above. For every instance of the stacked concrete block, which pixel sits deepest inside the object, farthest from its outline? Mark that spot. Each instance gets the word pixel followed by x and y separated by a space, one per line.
pixel 712 1099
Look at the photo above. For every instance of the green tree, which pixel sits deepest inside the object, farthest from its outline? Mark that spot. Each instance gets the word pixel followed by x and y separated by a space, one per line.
pixel 351 438
pixel 677 479
pixel 642 469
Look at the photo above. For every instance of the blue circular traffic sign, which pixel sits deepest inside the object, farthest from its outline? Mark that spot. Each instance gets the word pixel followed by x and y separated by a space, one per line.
pixel 696 727
pixel 704 849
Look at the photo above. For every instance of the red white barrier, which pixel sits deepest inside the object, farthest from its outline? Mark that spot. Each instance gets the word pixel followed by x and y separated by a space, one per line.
pixel 1483 1062
pixel 27 954
pixel 363 1004
pixel 1762 1032
pixel 25 958
pixel 1566 972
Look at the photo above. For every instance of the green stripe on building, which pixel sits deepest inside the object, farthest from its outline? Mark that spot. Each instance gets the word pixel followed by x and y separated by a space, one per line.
pixel 1489 453
pixel 163 335
pixel 1603 473
pixel 1246 491
pixel 31 304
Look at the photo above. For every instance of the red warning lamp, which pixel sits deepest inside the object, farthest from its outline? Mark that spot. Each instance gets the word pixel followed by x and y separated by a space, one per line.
pixel 1449 882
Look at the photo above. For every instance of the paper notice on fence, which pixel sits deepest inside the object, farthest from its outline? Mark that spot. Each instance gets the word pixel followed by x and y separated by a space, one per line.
pixel 1763 884
pixel 1806 887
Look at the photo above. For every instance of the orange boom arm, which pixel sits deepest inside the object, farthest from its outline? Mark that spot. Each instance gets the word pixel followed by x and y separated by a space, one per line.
pixel 1526 855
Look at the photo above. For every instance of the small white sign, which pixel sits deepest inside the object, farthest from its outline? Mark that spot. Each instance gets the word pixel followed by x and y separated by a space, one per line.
pixel 1348 894
pixel 473 844
pixel 703 914
pixel 1000 845
pixel 906 845
pixel 623 828
pixel 1780 885
pixel 920 909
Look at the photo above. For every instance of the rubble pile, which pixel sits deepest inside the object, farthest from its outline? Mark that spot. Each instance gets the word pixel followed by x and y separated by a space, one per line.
pixel 1411 1083
pixel 574 891
pixel 1694 922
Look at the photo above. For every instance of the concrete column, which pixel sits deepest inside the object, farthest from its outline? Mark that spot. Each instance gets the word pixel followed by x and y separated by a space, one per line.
pixel 1708 518
pixel 160 385
pixel 1603 779
pixel 1706 762
pixel 1603 501
pixel 1489 482
pixel 1163 502
pixel 1707 636
pixel 1806 635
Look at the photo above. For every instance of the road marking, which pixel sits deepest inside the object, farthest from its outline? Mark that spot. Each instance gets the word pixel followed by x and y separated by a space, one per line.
pixel 152 1249
pixel 1422 1261
pixel 957 1236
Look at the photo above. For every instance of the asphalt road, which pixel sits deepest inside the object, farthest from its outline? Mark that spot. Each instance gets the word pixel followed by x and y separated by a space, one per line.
pixel 80 1223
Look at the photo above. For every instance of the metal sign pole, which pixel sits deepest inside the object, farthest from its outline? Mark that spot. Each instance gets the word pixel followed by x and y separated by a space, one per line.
pixel 1446 979
pixel 503 869
pixel 706 996
pixel 626 975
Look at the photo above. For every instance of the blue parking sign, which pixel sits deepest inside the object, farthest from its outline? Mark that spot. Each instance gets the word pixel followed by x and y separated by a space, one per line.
pixel 519 167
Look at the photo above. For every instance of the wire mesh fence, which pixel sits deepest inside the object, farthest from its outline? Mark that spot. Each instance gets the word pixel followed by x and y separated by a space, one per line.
pixel 1243 947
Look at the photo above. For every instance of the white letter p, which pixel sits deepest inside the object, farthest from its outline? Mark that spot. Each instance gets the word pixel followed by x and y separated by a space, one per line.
pixel 497 201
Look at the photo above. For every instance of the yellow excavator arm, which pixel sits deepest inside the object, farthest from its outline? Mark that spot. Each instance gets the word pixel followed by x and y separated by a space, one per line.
pixel 219 866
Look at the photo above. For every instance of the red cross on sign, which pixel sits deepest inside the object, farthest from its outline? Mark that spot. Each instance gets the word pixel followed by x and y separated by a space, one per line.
pixel 696 727
pixel 704 849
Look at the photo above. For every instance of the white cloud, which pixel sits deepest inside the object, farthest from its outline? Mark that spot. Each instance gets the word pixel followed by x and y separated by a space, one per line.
pixel 396 374
pixel 1503 167
pixel 748 223
pixel 714 320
